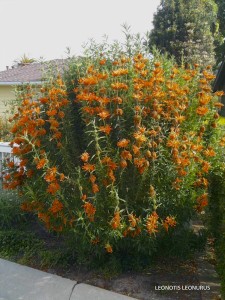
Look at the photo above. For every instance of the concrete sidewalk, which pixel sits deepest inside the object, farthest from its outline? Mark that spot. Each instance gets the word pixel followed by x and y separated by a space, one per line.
pixel 19 282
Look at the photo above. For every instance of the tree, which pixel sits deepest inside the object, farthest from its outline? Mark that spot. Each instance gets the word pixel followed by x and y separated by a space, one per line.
pixel 186 30
pixel 220 45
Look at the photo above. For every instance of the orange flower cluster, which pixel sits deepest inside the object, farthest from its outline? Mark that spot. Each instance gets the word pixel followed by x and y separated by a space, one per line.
pixel 111 167
pixel 142 122
pixel 152 223
pixel 119 72
pixel 133 230
pixel 202 201
pixel 37 122
pixel 169 222
pixel 56 206
pixel 123 143
pixel 89 210
pixel 87 167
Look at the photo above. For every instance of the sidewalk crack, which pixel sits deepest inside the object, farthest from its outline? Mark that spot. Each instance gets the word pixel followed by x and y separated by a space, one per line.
pixel 75 284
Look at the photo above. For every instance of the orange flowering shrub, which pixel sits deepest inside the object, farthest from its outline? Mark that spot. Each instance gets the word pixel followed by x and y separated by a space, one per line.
pixel 120 150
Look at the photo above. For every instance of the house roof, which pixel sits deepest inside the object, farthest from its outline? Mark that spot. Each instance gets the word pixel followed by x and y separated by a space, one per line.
pixel 32 72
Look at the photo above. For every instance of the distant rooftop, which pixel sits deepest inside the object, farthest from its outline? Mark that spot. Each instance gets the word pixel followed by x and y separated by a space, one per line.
pixel 32 72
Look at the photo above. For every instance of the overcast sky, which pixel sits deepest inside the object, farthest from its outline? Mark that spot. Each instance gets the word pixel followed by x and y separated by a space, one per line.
pixel 44 28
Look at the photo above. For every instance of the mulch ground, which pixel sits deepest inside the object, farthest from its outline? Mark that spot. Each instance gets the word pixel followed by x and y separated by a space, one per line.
pixel 145 285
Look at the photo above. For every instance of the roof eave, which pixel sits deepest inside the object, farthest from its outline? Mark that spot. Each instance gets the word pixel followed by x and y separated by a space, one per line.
pixel 20 83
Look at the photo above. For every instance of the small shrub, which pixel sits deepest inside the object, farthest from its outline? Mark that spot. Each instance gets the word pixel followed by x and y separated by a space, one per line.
pixel 119 152
pixel 10 212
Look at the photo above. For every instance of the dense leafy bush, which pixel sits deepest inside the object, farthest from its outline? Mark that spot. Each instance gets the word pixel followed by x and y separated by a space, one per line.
pixel 10 212
pixel 216 221
pixel 118 152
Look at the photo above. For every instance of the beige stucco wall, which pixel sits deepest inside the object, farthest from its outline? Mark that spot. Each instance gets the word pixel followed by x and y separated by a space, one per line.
pixel 6 96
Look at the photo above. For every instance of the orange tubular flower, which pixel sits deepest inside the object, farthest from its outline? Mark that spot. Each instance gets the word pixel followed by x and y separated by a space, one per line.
pixel 119 112
pixel 201 182
pixel 152 223
pixel 41 163
pixel 208 76
pixel 202 201
pixel 105 129
pixel 83 197
pixel 201 110
pixel 123 143
pixel 115 223
pixel 140 162
pixel 139 66
pixel 102 62
pixel 51 174
pixel 108 248
pixel 95 241
pixel 126 155
pixel 7 176
pixel 111 175
pixel 44 100
pixel 41 132
pixel 124 59
pixel 123 164
pixel 205 166
pixel 118 100
pixel 152 191
pixel 57 135
pixel 52 112
pixel 61 114
pixel 53 188
pixel 119 86
pixel 140 138
pixel 92 80
pixel 85 157
pixel 56 206
pixel 136 150
pixel 40 122
pixel 132 220
pixel 104 114
pixel 10 164
pixel 119 72
pixel 54 124
pixel 169 222
pixel 209 152
pixel 173 144
pixel 30 173
pixel 92 178
pixel 88 167
pixel 219 93
pixel 44 217
pixel 95 188
pixel 204 98
pixel 62 177
pixel 109 162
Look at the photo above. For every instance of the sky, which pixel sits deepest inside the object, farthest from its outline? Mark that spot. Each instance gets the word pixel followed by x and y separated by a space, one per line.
pixel 45 28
